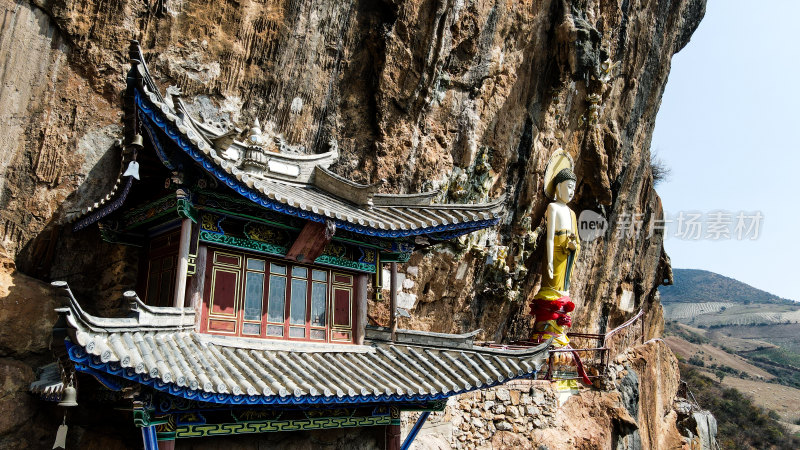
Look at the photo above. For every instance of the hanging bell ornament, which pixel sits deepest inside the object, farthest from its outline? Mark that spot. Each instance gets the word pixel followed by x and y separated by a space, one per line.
pixel 61 434
pixel 137 142
pixel 70 397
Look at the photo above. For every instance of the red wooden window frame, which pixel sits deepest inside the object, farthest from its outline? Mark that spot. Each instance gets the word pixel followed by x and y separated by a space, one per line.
pixel 225 298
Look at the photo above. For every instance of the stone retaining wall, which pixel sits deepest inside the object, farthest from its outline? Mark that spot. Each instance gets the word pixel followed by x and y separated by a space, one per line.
pixel 489 418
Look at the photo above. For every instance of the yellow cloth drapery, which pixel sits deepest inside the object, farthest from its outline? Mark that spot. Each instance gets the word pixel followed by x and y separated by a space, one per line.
pixel 558 286
pixel 563 261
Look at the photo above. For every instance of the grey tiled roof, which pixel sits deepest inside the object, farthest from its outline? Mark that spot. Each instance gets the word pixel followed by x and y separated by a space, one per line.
pixel 388 217
pixel 301 185
pixel 407 213
pixel 210 368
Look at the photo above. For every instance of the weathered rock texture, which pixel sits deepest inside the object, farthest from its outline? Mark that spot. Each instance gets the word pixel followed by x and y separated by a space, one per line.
pixel 637 412
pixel 470 97
pixel 26 324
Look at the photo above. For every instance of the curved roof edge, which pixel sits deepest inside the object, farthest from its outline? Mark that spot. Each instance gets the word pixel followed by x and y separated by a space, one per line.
pixel 291 189
pixel 157 347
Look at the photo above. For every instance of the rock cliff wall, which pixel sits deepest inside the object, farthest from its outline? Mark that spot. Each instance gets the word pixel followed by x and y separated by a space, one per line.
pixel 469 97
pixel 640 409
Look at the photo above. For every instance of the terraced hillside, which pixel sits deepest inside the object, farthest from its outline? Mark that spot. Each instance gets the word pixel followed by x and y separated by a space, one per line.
pixel 686 310
pixel 741 337
pixel 709 300
pixel 717 314
pixel 772 384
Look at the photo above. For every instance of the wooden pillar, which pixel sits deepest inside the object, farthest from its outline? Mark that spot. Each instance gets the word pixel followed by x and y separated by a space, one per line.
pixel 393 302
pixel 378 278
pixel 183 263
pixel 197 284
pixel 393 436
pixel 393 430
pixel 166 445
pixel 360 290
pixel 149 438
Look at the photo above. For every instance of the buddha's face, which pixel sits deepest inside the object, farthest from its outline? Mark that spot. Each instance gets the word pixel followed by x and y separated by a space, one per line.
pixel 565 191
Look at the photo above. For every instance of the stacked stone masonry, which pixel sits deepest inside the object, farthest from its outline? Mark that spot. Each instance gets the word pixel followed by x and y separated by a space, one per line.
pixel 626 412
pixel 483 419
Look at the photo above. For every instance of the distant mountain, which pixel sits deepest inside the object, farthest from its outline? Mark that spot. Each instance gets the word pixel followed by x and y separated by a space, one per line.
pixel 697 286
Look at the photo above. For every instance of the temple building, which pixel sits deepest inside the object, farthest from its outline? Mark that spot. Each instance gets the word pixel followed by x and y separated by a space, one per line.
pixel 251 308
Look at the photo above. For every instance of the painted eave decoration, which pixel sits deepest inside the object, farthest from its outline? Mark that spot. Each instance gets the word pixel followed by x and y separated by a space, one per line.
pixel 48 384
pixel 295 184
pixel 164 353
pixel 112 201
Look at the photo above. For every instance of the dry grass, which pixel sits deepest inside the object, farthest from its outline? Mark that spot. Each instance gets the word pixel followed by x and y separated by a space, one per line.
pixel 784 400
pixel 713 355
pixel 735 344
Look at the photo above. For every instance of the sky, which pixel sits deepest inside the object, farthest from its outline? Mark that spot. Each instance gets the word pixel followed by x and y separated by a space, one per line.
pixel 728 131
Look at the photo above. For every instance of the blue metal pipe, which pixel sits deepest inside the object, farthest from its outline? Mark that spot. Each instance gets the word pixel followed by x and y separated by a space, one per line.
pixel 413 433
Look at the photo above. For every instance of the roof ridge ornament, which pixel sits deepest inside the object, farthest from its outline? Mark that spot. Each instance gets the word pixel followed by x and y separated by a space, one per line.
pixel 172 91
pixel 255 160
pixel 256 137
pixel 360 194
pixel 142 317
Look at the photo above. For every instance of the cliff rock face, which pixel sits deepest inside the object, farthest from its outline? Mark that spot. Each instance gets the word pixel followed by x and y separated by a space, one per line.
pixel 636 412
pixel 26 324
pixel 469 97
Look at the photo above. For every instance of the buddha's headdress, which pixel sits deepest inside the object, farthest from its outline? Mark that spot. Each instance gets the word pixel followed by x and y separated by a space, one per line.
pixel 559 169
pixel 564 175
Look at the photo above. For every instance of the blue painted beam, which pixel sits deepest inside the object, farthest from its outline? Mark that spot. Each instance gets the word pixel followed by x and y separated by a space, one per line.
pixel 413 433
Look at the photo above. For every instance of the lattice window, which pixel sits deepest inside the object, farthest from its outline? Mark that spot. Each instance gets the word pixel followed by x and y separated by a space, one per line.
pixel 250 295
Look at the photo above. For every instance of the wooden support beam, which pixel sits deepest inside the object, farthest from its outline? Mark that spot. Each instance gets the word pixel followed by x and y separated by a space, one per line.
pixel 393 301
pixel 310 243
pixel 183 264
pixel 415 430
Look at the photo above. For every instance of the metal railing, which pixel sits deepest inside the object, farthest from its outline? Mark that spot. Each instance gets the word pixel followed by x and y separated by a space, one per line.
pixel 623 337
pixel 595 351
